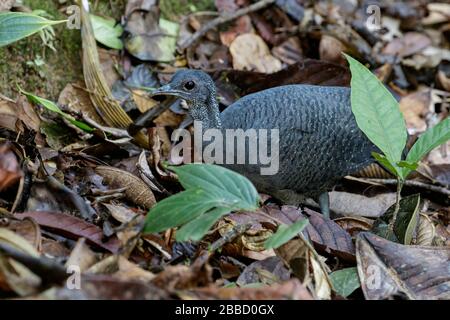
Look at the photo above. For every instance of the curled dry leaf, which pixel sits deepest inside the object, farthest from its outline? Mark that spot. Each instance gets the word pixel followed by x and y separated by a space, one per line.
pixel 291 290
pixel 71 227
pixel 425 231
pixel 250 52
pixel 306 264
pixel 81 256
pixel 137 191
pixel 387 269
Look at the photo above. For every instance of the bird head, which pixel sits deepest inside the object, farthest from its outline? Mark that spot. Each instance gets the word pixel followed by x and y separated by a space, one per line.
pixel 193 86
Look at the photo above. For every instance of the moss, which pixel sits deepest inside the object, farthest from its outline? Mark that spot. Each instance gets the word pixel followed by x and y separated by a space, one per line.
pixel 60 67
pixel 174 9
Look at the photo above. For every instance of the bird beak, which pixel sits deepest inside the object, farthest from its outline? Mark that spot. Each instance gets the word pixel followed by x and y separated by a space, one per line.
pixel 167 90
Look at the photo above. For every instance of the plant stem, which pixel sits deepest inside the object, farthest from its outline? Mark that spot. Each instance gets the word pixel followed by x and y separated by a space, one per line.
pixel 397 205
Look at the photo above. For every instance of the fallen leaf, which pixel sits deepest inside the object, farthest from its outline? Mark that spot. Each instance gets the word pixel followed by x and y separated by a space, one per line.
pixel 71 227
pixel 291 290
pixel 137 191
pixel 250 52
pixel 387 269
pixel 356 205
pixel 267 271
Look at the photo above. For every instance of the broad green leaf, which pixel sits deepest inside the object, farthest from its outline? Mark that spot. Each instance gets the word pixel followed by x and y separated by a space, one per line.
pixel 54 108
pixel 107 31
pixel 388 165
pixel 345 281
pixel 18 25
pixel 180 208
pixel 377 112
pixel 406 223
pixel 197 228
pixel 224 184
pixel 430 139
pixel 284 234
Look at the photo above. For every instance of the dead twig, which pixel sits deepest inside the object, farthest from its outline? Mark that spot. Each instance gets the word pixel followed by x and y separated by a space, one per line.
pixel 223 19
pixel 408 183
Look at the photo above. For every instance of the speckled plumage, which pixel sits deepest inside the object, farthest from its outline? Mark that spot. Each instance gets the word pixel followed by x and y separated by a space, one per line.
pixel 320 141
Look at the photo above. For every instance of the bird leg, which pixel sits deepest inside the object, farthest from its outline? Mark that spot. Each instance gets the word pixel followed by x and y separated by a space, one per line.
pixel 324 203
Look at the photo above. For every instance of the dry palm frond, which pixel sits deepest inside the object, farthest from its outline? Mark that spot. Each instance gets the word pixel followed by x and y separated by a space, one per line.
pixel 107 107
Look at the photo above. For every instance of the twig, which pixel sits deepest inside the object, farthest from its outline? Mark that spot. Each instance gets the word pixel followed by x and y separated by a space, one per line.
pixel 223 19
pixel 409 183
pixel 397 205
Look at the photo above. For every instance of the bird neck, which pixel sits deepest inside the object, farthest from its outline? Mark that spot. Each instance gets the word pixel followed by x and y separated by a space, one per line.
pixel 208 113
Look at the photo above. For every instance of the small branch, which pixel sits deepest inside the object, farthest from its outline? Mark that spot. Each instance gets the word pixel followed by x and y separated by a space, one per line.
pixel 397 205
pixel 223 19
pixel 408 183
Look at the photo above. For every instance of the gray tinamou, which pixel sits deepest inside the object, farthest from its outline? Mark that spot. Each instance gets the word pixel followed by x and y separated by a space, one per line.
pixel 319 140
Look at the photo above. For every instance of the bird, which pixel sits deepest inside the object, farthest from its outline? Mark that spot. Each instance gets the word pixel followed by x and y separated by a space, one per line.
pixel 319 139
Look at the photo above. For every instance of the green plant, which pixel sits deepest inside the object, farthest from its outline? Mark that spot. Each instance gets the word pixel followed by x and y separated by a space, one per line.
pixel 49 105
pixel 210 192
pixel 378 116
pixel 18 25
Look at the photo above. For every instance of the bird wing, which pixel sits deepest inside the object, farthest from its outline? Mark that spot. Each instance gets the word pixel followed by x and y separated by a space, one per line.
pixel 319 137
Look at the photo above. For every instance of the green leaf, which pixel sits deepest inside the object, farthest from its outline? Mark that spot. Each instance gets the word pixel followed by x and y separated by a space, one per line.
pixel 430 139
pixel 390 166
pixel 18 25
pixel 107 31
pixel 224 184
pixel 345 281
pixel 197 228
pixel 377 112
pixel 284 234
pixel 406 223
pixel 179 209
pixel 54 108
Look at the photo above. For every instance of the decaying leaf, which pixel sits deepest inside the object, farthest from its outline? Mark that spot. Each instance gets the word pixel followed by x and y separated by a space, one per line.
pixel 251 53
pixel 137 191
pixel 72 227
pixel 388 269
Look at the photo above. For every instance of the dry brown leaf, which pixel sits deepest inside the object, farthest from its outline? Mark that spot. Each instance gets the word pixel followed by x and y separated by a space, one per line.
pixel 330 49
pixel 409 44
pixel 8 116
pixel 352 204
pixel 120 213
pixel 71 227
pixel 387 269
pixel 78 99
pixel 250 52
pixel 425 231
pixel 81 256
pixel 10 171
pixel 137 191
pixel 291 290
pixel 415 107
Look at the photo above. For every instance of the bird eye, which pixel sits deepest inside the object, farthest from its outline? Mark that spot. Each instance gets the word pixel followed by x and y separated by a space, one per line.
pixel 189 85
